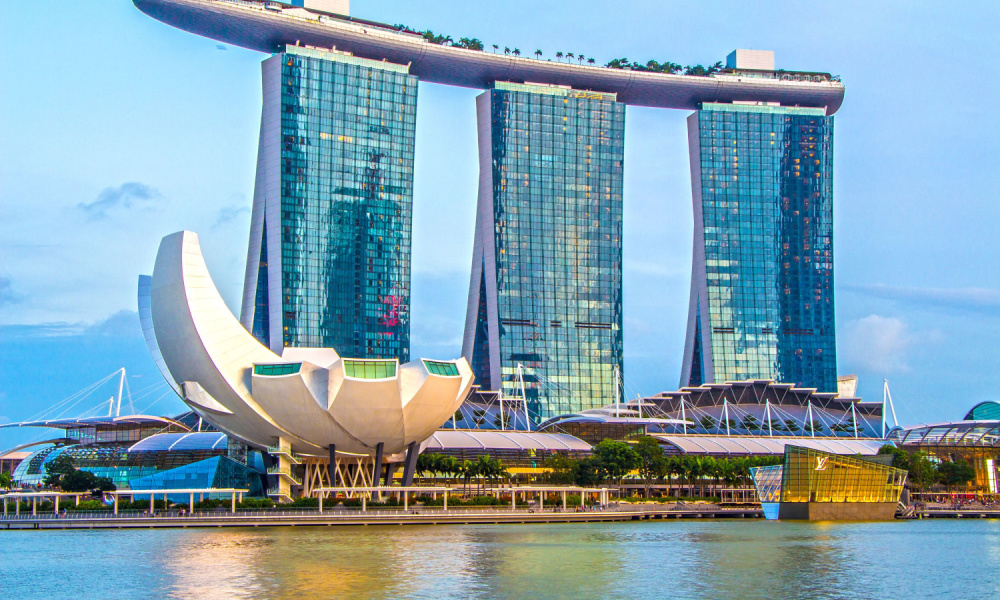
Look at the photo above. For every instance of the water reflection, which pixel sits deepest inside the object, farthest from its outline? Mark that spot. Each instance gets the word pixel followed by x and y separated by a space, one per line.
pixel 674 559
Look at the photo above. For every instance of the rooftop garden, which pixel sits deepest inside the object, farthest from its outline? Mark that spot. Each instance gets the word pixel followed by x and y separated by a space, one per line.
pixel 650 66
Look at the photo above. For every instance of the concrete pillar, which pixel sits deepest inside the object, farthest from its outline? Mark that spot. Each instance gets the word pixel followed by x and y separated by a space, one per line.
pixel 321 502
pixel 582 497
pixel 152 499
pixel 411 464
pixel 406 501
pixel 564 499
pixel 5 506
pixel 116 504
pixel 17 507
pixel 78 499
pixel 445 501
pixel 34 506
pixel 233 497
pixel 377 469
pixel 364 503
pixel 56 503
pixel 191 504
pixel 541 501
pixel 513 501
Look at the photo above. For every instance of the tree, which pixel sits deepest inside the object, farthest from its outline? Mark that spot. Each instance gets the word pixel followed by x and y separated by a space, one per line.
pixel 955 473
pixel 495 47
pixel 516 52
pixel 506 50
pixel 559 55
pixel 580 58
pixel 469 43
pixel 590 472
pixel 436 39
pixel 652 462
pixel 900 457
pixel 591 61
pixel 616 458
pixel 6 481
pixel 562 469
pixel 570 55
pixel 538 54
pixel 59 467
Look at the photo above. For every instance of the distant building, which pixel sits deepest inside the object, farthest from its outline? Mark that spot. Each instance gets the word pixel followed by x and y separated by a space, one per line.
pixel 546 279
pixel 762 296
pixel 329 258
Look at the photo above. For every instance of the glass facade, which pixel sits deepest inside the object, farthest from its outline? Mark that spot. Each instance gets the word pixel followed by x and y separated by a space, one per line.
pixel 370 369
pixel 762 302
pixel 548 264
pixel 814 476
pixel 340 131
pixel 158 469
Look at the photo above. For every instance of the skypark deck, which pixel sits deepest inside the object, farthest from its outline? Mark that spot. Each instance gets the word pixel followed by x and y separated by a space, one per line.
pixel 250 25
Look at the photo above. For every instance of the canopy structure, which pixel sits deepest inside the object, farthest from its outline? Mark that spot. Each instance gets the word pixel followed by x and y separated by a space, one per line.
pixel 100 422
pixel 181 441
pixel 952 433
pixel 721 445
pixel 503 440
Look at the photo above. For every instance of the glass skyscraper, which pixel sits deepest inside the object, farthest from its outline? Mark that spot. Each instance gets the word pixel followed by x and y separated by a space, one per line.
pixel 546 288
pixel 762 304
pixel 329 259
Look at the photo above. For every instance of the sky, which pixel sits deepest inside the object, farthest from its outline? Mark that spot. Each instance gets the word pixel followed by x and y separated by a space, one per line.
pixel 116 130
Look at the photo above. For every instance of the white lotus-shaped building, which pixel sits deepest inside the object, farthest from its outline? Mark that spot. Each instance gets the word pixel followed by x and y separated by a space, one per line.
pixel 307 401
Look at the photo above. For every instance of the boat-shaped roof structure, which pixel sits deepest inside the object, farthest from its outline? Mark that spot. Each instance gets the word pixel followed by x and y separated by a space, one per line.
pixel 267 27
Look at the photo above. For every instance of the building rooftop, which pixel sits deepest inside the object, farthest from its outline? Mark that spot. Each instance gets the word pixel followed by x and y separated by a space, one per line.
pixel 268 28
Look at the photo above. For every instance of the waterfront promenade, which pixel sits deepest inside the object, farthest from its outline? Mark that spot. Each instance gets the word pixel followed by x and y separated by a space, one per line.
pixel 415 516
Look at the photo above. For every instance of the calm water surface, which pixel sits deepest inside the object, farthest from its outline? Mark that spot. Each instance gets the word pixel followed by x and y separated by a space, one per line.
pixel 674 559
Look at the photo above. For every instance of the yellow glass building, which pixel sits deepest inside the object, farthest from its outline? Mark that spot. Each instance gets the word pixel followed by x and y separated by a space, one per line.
pixel 819 486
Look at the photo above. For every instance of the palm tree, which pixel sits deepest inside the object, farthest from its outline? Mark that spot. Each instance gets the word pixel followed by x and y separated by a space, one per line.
pixel 559 55
pixel 516 52
pixel 580 58
pixel 495 47
pixel 570 55
pixel 6 481
pixel 538 54
pixel 506 50
pixel 591 61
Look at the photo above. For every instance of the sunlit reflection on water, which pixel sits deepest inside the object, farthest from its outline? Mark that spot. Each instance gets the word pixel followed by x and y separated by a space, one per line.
pixel 674 559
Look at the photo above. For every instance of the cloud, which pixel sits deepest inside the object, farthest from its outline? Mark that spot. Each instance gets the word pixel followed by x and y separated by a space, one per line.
pixel 220 47
pixel 230 213
pixel 7 293
pixel 879 344
pixel 969 299
pixel 123 196
pixel 122 324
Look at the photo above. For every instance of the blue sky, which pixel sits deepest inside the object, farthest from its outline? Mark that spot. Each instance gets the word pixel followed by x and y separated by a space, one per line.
pixel 116 130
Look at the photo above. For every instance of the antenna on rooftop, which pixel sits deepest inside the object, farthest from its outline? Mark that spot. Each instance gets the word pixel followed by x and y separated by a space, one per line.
pixel 887 399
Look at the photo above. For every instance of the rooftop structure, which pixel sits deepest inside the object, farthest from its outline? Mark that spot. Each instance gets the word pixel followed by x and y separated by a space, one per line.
pixel 268 27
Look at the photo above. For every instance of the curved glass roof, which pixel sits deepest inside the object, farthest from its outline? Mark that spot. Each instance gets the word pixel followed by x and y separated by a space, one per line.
pixel 181 441
pixel 953 433
pixel 504 440
pixel 984 411
pixel 98 422
pixel 691 444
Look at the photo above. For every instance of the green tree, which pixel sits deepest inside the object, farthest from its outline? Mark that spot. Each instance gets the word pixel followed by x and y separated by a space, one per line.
pixel 955 473
pixel 6 481
pixel 616 458
pixel 85 481
pixel 652 462
pixel 56 469
pixel 590 472
pixel 561 469
pixel 538 54
pixel 559 56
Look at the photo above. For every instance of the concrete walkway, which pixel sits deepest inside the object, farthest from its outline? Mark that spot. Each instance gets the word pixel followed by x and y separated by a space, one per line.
pixel 357 517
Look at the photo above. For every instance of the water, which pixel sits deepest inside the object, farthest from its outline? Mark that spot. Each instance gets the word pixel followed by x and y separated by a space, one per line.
pixel 671 559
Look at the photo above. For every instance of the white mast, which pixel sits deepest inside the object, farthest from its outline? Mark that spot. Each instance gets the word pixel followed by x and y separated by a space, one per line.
pixel 887 399
pixel 524 397
pixel 617 397
pixel 121 384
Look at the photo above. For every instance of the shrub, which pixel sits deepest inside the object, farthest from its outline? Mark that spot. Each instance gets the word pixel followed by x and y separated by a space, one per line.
pixel 352 503
pixel 305 503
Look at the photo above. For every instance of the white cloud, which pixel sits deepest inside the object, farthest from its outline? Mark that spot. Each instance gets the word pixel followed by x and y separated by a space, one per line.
pixel 879 344
pixel 123 196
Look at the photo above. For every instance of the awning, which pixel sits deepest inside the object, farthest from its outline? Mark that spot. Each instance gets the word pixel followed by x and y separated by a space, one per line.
pixel 446 439
pixel 704 444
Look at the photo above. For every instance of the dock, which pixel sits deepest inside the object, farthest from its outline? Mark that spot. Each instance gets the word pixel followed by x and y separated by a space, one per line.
pixel 349 517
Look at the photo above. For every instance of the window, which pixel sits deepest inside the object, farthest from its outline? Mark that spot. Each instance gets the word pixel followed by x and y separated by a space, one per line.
pixel 370 369
pixel 277 370
pixel 441 368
